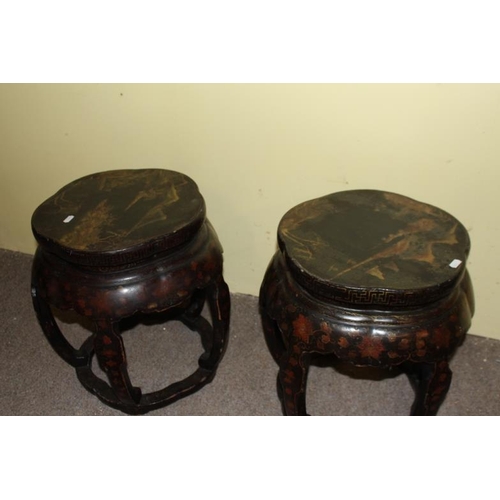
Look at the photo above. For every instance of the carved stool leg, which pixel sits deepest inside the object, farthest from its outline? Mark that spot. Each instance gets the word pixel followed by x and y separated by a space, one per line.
pixel 110 352
pixel 192 318
pixel 219 303
pixel 63 348
pixel 294 368
pixel 197 302
pixel 432 381
pixel 273 336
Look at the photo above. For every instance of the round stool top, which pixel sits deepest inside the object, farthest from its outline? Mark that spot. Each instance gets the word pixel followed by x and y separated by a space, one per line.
pixel 120 216
pixel 371 248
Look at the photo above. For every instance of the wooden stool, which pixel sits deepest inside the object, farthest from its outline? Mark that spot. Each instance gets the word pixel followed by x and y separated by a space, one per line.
pixel 373 278
pixel 122 242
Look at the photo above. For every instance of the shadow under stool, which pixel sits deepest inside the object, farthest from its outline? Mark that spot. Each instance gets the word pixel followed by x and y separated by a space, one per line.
pixel 372 279
pixel 115 244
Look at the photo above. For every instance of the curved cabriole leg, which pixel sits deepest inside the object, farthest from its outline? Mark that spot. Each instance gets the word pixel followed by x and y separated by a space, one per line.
pixel 63 348
pixel 273 336
pixel 220 305
pixel 431 381
pixel 293 373
pixel 110 352
pixel 192 318
pixel 197 302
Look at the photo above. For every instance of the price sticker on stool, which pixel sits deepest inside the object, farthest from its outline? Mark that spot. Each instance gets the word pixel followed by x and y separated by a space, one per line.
pixel 69 218
pixel 455 263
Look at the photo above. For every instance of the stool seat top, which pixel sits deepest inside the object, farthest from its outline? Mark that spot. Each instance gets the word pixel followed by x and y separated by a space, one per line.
pixel 119 216
pixel 374 248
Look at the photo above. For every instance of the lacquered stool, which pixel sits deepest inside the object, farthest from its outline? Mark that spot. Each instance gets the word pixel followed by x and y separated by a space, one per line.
pixel 117 243
pixel 374 279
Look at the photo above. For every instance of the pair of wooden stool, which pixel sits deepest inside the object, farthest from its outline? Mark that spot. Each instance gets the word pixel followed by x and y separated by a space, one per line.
pixel 374 278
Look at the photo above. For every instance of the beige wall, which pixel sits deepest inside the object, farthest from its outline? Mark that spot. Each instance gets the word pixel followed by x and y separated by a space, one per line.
pixel 257 150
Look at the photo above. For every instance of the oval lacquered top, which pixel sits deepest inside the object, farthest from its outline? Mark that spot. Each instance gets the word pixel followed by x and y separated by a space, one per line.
pixel 374 247
pixel 119 216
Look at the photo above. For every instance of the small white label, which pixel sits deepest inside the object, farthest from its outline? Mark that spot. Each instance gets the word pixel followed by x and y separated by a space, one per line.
pixel 69 218
pixel 455 263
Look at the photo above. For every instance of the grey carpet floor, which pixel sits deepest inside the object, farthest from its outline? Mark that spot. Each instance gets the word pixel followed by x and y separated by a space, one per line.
pixel 35 381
